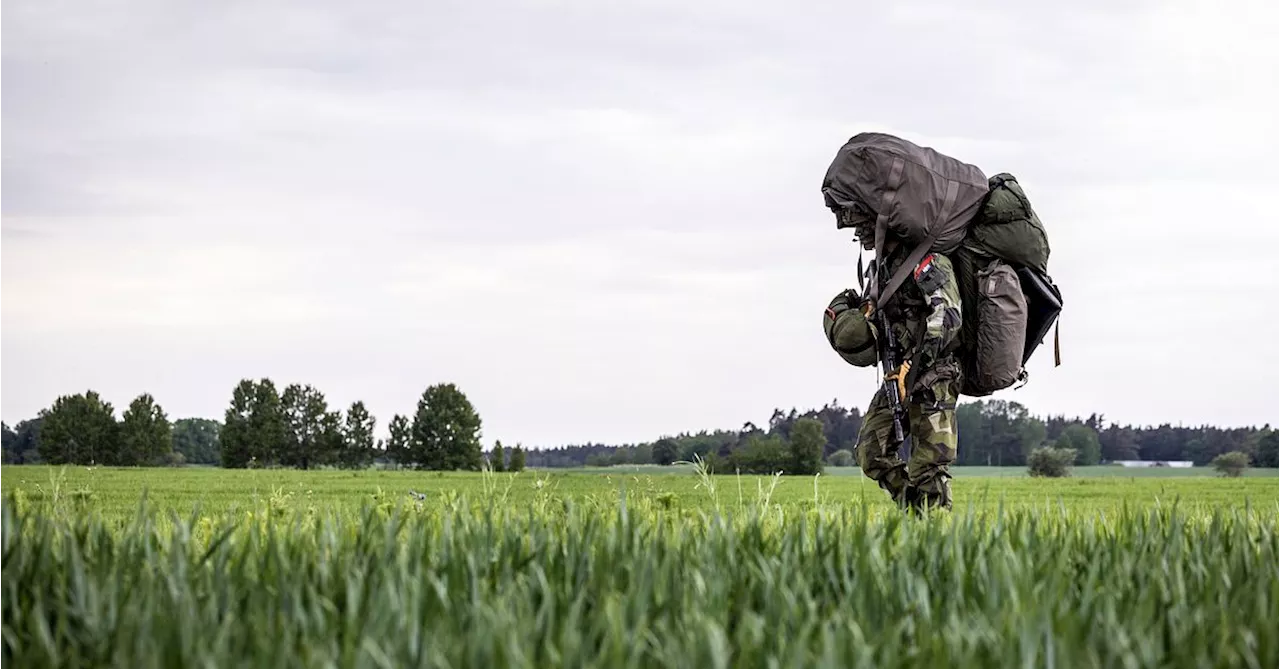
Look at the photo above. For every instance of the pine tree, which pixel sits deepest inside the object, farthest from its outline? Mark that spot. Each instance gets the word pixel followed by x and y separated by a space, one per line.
pixel 235 438
pixel 331 441
pixel 10 443
pixel 399 443
pixel 268 431
pixel 357 446
pixel 1269 449
pixel 499 458
pixel 26 449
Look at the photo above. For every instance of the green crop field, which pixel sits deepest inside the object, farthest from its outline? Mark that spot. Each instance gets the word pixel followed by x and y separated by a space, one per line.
pixel 633 568
pixel 115 493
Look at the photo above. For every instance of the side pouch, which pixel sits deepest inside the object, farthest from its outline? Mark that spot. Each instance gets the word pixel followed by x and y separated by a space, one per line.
pixel 1044 304
pixel 1001 334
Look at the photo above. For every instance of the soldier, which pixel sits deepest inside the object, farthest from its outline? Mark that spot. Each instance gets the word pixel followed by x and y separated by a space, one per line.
pixel 925 320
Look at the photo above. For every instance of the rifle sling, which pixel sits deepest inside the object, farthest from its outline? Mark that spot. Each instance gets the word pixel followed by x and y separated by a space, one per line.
pixel 914 373
pixel 862 283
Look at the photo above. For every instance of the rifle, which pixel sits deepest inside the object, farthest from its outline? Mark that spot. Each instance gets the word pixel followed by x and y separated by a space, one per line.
pixel 895 372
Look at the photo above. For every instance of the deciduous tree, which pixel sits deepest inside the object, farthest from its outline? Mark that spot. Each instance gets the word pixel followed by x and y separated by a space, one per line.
pixel 197 439
pixel 807 440
pixel 146 437
pixel 1084 441
pixel 446 430
pixel 304 409
pixel 80 429
pixel 665 451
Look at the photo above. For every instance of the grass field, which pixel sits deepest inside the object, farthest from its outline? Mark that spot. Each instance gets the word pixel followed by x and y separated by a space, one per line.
pixel 979 472
pixel 116 493
pixel 647 568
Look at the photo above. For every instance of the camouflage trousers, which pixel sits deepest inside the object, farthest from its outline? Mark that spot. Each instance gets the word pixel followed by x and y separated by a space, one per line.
pixel 924 479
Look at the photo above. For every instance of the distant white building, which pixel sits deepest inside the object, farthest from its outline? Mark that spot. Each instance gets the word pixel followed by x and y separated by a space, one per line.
pixel 1154 463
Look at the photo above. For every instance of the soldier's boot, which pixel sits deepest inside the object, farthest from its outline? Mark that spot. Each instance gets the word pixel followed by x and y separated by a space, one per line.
pixel 935 501
pixel 894 481
pixel 909 500
pixel 917 503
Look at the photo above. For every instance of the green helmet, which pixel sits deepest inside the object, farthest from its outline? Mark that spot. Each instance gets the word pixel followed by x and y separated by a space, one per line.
pixel 848 332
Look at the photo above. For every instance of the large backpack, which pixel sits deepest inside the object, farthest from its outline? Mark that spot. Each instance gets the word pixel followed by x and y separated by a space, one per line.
pixel 1008 300
pixel 997 244
pixel 919 197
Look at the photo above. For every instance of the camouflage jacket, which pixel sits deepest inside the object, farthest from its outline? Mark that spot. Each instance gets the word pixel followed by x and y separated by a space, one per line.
pixel 924 316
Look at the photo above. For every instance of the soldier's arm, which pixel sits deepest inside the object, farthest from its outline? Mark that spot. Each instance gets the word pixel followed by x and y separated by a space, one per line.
pixel 937 280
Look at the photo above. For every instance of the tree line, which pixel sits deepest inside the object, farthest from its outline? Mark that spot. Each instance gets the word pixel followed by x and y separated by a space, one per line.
pixel 991 433
pixel 264 427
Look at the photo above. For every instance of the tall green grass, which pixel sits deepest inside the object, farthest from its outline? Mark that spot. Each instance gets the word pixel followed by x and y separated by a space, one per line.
pixel 453 583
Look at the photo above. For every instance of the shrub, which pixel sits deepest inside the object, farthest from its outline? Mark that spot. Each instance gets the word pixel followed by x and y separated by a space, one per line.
pixel 1231 464
pixel 1051 462
pixel 841 458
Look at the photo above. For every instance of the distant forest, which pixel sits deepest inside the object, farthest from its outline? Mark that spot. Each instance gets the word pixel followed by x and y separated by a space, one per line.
pixel 264 427
pixel 991 433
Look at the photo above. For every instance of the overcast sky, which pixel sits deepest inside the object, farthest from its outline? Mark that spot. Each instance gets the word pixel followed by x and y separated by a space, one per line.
pixel 604 220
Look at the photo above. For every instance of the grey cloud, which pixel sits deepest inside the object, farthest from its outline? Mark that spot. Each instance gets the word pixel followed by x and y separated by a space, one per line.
pixel 618 202
pixel 330 136
pixel 18 232
pixel 30 188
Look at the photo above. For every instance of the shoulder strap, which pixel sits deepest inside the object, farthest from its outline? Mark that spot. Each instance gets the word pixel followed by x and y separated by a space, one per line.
pixel 917 254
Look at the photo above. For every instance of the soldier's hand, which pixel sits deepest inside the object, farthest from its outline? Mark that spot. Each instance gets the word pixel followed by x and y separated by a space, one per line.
pixel 848 298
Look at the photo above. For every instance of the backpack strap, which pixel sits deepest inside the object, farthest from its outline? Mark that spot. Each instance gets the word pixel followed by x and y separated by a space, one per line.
pixel 882 224
pixel 917 254
pixel 1057 350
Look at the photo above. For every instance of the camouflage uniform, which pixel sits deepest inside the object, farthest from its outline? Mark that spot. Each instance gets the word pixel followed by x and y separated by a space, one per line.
pixel 924 316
